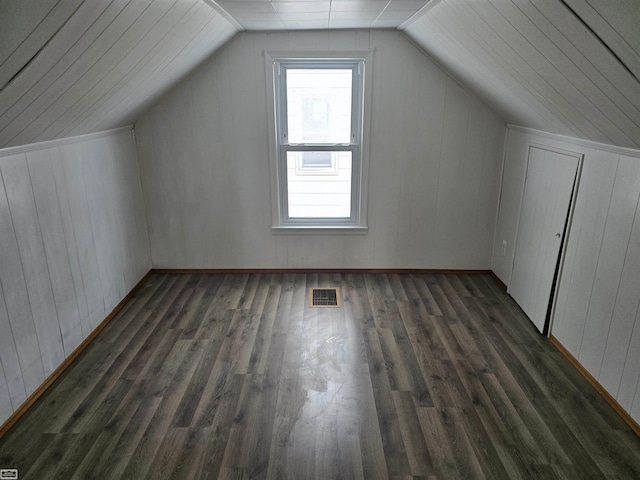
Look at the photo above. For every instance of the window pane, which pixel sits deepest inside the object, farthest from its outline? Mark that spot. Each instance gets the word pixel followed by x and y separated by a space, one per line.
pixel 317 160
pixel 319 105
pixel 321 190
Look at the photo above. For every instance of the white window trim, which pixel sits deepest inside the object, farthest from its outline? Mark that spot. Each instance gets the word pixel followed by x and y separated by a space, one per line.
pixel 358 224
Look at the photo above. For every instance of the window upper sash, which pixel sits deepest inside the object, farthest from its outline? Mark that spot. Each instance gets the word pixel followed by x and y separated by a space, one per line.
pixel 356 67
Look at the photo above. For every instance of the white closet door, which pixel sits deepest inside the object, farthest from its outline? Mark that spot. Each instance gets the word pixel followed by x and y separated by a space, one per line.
pixel 545 204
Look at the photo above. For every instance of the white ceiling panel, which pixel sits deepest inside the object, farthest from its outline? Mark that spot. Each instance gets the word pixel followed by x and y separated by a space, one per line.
pixel 239 7
pixel 67 66
pixel 358 16
pixel 354 6
pixel 617 23
pixel 342 13
pixel 306 24
pixel 406 5
pixel 320 17
pixel 398 15
pixel 555 65
pixel 122 101
pixel 288 7
pixel 36 22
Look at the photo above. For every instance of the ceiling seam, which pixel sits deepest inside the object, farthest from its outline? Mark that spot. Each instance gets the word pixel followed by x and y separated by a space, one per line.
pixel 73 85
pixel 137 69
pixel 449 71
pixel 544 82
pixel 31 60
pixel 35 84
pixel 27 36
pixel 579 67
pixel 87 69
pixel 160 73
pixel 548 104
pixel 587 98
pixel 604 44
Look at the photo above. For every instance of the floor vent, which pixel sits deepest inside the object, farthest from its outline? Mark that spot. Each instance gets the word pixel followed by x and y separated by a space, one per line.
pixel 324 297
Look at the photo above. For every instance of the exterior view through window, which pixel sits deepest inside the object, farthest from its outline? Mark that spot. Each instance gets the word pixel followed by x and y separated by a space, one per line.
pixel 319 128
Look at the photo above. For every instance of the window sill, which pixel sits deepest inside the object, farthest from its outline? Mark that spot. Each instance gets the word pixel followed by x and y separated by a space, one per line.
pixel 319 229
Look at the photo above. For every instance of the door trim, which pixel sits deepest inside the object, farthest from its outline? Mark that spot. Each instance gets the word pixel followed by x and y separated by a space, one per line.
pixel 572 202
pixel 563 247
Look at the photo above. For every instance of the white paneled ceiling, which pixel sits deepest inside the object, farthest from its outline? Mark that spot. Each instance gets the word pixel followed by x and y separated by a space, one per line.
pixel 69 67
pixel 563 66
pixel 320 14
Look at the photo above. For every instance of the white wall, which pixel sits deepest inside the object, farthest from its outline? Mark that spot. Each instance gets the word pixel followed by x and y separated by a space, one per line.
pixel 436 154
pixel 596 316
pixel 73 243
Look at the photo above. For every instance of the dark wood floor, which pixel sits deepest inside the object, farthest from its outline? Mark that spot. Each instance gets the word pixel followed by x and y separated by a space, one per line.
pixel 234 376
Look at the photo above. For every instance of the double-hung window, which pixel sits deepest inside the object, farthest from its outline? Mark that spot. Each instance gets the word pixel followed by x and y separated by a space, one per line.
pixel 319 143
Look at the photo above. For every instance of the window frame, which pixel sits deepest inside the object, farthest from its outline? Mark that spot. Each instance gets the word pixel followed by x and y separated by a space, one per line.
pixel 276 65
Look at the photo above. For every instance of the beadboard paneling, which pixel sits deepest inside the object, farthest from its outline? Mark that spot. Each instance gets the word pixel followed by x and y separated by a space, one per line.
pixel 434 165
pixel 78 66
pixel 596 316
pixel 26 225
pixel 73 243
pixel 538 65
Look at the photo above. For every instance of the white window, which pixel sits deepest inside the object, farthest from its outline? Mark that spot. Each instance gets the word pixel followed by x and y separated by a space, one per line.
pixel 319 145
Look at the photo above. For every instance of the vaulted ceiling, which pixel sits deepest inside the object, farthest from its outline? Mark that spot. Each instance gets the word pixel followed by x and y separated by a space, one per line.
pixel 570 67
pixel 69 67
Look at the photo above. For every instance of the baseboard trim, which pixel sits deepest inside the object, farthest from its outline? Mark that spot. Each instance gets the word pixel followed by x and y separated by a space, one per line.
pixel 595 384
pixel 500 283
pixel 69 360
pixel 417 271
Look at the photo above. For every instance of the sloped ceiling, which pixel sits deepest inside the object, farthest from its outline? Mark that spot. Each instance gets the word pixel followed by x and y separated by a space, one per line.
pixel 69 67
pixel 563 66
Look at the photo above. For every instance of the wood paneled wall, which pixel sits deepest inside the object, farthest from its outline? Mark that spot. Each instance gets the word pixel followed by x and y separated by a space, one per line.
pixel 597 316
pixel 73 243
pixel 435 162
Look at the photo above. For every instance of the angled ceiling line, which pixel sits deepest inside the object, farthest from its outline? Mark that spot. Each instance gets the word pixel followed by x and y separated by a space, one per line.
pixel 379 15
pixel 427 6
pixel 24 67
pixel 157 72
pixel 612 27
pixel 561 73
pixel 580 68
pixel 88 68
pixel 602 42
pixel 213 4
pixel 55 65
pixel 78 115
pixel 562 89
pixel 32 59
pixel 80 79
pixel 532 83
pixel 453 72
pixel 27 36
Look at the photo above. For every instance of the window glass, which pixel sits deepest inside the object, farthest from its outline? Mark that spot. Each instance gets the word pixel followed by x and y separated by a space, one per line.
pixel 319 167
pixel 319 105
pixel 319 191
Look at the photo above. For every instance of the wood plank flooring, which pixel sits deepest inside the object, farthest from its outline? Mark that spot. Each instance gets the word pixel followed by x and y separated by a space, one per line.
pixel 234 376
